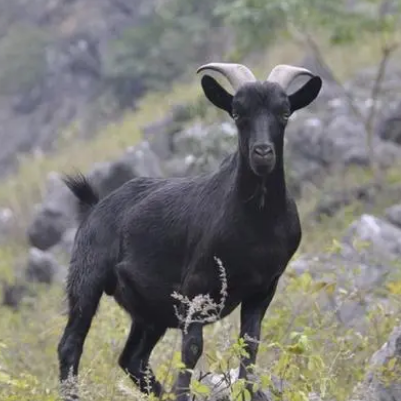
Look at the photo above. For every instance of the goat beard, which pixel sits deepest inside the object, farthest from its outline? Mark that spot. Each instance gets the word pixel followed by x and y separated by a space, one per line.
pixel 259 193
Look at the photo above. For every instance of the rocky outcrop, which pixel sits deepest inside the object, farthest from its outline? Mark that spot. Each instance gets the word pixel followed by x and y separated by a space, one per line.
pixel 54 215
pixel 57 75
pixel 356 271
pixel 382 380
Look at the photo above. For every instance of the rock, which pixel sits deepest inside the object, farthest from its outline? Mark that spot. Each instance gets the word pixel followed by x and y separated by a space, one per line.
pixel 47 228
pixel 356 272
pixel 389 127
pixel 67 240
pixel 13 294
pixel 355 282
pixel 220 390
pixel 63 69
pixel 204 147
pixel 179 166
pixel 63 249
pixel 160 133
pixel 329 205
pixel 382 239
pixel 382 382
pixel 340 141
pixel 42 267
pixel 138 161
pixel 328 134
pixel 393 215
pixel 54 216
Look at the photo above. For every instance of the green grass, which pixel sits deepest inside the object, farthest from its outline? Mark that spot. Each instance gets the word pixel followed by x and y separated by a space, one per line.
pixel 28 339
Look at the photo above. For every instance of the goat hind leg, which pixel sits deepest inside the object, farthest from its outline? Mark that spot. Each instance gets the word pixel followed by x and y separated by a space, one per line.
pixel 135 357
pixel 71 344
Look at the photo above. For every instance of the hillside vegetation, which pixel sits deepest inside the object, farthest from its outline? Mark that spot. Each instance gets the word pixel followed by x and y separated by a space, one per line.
pixel 306 347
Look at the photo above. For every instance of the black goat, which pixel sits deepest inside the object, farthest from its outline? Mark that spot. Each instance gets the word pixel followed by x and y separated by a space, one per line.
pixel 154 236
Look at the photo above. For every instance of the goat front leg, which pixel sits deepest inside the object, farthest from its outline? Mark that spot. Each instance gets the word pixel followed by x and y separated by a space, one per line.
pixel 252 313
pixel 191 351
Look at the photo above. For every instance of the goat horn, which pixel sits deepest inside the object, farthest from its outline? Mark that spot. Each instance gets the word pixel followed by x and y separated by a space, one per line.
pixel 236 74
pixel 284 74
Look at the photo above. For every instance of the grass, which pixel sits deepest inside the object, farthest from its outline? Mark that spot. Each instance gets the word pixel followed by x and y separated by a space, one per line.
pixel 326 359
pixel 29 338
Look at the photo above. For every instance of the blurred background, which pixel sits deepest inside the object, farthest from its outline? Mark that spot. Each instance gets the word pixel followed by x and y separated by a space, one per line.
pixel 108 87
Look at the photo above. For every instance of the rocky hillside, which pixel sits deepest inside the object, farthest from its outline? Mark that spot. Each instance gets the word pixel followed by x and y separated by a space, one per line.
pixel 345 281
pixel 70 66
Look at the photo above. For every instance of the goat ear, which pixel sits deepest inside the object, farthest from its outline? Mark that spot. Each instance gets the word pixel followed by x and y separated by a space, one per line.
pixel 217 94
pixel 306 94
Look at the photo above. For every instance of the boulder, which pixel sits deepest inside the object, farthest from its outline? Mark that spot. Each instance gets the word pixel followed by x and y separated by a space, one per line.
pixel 54 216
pixel 160 133
pixel 42 267
pixel 331 203
pixel 138 161
pixel 382 380
pixel 378 238
pixel 389 127
pixel 356 272
pixel 13 294
pixel 393 215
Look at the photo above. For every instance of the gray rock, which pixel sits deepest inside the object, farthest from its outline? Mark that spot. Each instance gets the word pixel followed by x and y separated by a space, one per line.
pixel 179 166
pixel 332 202
pixel 138 161
pixel 336 140
pixel 355 282
pixel 389 127
pixel 382 239
pixel 63 249
pixel 47 228
pixel 393 215
pixel 220 386
pixel 13 294
pixel 42 267
pixel 203 148
pixel 54 216
pixel 69 83
pixel 356 271
pixel 382 381
pixel 160 133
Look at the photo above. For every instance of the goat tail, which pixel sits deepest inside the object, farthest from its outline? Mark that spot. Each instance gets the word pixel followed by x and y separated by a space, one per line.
pixel 84 191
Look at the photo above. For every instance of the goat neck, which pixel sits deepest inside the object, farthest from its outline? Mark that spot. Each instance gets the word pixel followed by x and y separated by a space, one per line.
pixel 262 193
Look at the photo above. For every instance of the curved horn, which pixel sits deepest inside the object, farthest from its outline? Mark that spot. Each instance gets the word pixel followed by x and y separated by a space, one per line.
pixel 284 74
pixel 236 74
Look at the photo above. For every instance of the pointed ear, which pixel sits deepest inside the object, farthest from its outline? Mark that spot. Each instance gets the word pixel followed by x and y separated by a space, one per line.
pixel 306 94
pixel 217 94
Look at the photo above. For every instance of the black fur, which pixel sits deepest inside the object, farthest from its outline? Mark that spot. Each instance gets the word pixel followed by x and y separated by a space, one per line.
pixel 154 236
pixel 80 186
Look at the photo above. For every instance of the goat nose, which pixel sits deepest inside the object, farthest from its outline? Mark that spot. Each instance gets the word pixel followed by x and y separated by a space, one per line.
pixel 263 150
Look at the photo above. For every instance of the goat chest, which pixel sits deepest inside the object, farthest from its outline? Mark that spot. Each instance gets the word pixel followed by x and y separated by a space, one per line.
pixel 254 256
